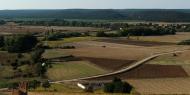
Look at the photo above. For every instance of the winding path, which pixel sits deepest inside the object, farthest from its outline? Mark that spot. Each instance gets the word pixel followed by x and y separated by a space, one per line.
pixel 132 66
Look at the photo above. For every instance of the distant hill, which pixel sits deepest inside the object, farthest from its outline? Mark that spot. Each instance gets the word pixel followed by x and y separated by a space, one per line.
pixel 168 15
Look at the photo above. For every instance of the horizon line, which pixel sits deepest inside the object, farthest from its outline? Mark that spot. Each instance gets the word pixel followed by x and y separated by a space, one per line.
pixel 103 9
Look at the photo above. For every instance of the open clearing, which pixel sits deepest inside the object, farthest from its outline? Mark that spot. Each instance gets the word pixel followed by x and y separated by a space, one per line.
pixel 167 86
pixel 74 69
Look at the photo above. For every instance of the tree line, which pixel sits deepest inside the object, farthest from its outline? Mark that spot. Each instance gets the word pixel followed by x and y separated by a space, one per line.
pixel 139 31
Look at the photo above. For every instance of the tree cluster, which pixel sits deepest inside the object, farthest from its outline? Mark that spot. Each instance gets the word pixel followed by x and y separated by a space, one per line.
pixel 18 43
pixel 147 31
pixel 117 86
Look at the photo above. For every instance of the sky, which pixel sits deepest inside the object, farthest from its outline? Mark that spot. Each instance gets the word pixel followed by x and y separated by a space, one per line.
pixel 94 4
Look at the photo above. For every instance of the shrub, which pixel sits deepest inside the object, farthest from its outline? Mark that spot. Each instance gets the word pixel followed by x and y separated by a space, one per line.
pixel 46 84
pixel 101 34
pixel 34 84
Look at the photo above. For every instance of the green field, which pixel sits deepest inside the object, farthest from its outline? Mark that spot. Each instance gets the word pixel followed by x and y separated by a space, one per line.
pixel 53 53
pixel 69 40
pixel 71 70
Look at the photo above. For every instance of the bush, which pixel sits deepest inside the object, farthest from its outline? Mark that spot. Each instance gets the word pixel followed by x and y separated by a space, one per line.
pixel 101 34
pixel 68 47
pixel 34 84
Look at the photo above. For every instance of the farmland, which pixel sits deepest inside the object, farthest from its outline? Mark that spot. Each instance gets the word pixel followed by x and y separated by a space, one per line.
pixel 72 70
pixel 78 56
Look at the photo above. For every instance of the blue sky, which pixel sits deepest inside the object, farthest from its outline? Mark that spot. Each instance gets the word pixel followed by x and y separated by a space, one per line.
pixel 94 4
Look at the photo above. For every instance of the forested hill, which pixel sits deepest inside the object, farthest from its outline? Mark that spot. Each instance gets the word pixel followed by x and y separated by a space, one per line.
pixel 168 15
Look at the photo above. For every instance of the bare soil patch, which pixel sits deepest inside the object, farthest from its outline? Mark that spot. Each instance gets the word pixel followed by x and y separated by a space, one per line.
pixel 150 71
pixel 135 42
pixel 109 64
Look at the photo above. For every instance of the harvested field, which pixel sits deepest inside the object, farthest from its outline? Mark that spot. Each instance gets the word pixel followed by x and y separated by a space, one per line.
pixel 167 38
pixel 150 71
pixel 109 64
pixel 135 42
pixel 167 86
pixel 117 51
pixel 15 28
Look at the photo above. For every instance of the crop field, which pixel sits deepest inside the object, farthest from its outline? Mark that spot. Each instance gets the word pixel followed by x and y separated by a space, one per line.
pixel 109 64
pixel 117 51
pixel 104 55
pixel 12 28
pixel 147 71
pixel 167 86
pixel 69 40
pixel 53 53
pixel 74 69
pixel 136 42
pixel 179 59
pixel 166 38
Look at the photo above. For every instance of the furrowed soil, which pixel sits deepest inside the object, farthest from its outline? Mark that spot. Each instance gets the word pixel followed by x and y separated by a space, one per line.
pixel 146 71
pixel 109 64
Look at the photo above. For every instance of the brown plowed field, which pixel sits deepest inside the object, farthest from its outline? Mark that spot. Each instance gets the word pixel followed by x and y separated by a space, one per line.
pixel 109 64
pixel 135 42
pixel 166 86
pixel 150 71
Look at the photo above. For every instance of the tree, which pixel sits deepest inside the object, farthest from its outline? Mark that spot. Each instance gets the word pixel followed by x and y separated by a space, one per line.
pixel 1 41
pixel 36 54
pixel 109 88
pixel 15 64
pixel 46 85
